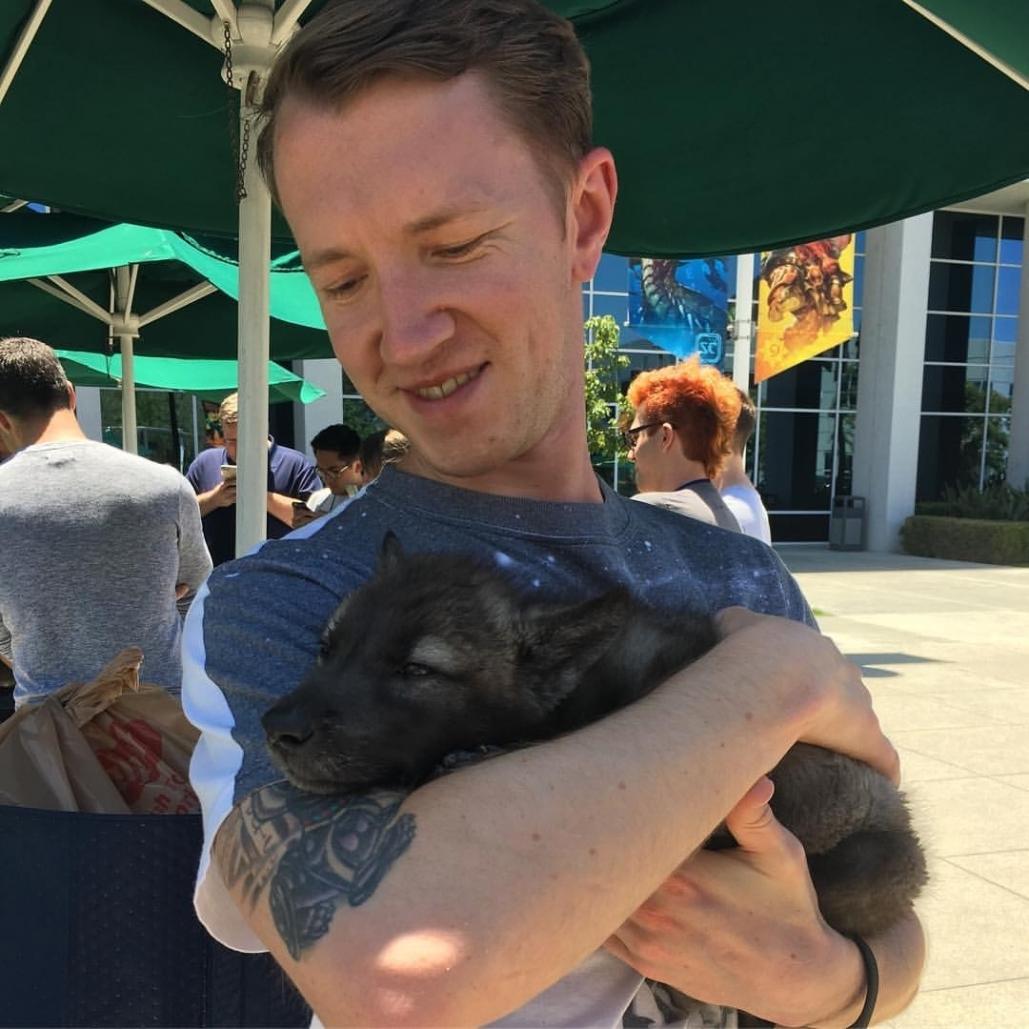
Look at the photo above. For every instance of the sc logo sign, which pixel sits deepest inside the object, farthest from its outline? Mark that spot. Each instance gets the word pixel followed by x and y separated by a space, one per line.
pixel 710 347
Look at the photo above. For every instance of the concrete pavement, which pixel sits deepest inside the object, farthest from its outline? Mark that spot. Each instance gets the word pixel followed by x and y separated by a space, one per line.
pixel 945 650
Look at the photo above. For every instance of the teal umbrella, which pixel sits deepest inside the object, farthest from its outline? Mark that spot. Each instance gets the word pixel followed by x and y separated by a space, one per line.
pixel 38 247
pixel 86 285
pixel 205 378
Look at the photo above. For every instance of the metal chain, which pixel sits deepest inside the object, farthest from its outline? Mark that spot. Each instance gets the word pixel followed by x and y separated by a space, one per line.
pixel 239 153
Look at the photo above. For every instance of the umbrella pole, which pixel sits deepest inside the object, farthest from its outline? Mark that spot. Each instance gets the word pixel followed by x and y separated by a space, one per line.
pixel 255 215
pixel 129 435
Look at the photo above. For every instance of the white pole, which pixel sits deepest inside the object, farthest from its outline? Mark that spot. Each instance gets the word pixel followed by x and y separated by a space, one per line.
pixel 744 321
pixel 122 288
pixel 255 221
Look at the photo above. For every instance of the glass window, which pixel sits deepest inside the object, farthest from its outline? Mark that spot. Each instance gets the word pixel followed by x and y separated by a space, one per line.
pixel 860 241
pixel 961 287
pixel 798 528
pixel 1007 290
pixel 963 236
pixel 1005 339
pixel 612 274
pixel 958 338
pixel 949 454
pixel 1002 385
pixel 811 384
pixel 795 460
pixel 998 439
pixel 1011 240
pixel 848 385
pixel 845 455
pixel 956 388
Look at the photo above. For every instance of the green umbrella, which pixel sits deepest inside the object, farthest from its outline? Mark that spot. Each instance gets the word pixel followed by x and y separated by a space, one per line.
pixel 207 379
pixel 737 126
pixel 128 283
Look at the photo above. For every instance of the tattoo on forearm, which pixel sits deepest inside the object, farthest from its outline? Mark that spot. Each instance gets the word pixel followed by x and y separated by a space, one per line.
pixel 311 853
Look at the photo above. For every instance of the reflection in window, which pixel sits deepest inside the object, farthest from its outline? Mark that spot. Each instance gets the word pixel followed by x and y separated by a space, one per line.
pixel 811 384
pixel 1007 290
pixel 963 236
pixel 1011 241
pixel 961 287
pixel 949 454
pixel 954 388
pixel 998 438
pixel 957 338
pixel 799 475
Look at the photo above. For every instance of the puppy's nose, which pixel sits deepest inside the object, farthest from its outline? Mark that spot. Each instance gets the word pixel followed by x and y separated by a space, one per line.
pixel 288 727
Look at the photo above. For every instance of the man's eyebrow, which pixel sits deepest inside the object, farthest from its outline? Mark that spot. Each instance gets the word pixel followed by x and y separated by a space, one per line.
pixel 440 218
pixel 416 228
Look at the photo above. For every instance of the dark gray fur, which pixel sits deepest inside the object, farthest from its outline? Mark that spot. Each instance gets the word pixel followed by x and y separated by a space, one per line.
pixel 439 653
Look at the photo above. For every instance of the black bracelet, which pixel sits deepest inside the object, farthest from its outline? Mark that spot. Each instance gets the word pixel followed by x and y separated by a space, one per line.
pixel 871 983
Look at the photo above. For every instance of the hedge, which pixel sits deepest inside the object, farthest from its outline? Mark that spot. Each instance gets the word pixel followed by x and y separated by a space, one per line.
pixel 967 539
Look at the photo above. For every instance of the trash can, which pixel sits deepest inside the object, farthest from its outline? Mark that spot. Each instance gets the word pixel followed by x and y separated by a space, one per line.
pixel 97 929
pixel 847 524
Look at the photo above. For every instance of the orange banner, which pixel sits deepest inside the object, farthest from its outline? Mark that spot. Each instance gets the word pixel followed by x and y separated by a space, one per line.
pixel 805 303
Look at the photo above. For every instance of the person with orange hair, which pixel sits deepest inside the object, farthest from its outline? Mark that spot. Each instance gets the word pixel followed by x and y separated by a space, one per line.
pixel 680 436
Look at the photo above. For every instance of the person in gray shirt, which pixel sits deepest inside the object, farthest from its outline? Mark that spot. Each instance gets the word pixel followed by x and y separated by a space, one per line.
pixel 680 436
pixel 97 547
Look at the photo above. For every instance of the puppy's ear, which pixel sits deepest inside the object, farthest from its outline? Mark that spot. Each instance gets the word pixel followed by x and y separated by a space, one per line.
pixel 391 553
pixel 560 644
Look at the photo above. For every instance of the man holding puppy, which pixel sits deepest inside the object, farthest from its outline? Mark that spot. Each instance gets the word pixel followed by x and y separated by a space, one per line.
pixel 436 166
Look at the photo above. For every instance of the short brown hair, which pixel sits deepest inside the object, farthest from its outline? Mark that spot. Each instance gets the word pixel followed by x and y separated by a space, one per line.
pixel 530 57
pixel 699 401
pixel 228 410
pixel 32 380
pixel 745 423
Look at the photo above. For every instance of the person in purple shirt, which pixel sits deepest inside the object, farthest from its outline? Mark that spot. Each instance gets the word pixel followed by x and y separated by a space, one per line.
pixel 291 476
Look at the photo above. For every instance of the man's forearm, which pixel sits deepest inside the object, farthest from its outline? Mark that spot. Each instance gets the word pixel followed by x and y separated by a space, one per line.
pixel 207 502
pixel 489 885
pixel 281 507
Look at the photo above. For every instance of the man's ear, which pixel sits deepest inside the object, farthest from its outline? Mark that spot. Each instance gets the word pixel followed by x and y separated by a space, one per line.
pixel 668 436
pixel 559 644
pixel 592 210
pixel 73 399
pixel 391 553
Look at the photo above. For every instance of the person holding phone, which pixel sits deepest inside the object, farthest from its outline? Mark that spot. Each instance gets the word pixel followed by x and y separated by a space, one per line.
pixel 291 476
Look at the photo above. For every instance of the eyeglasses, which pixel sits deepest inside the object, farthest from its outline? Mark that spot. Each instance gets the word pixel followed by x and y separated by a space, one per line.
pixel 629 435
pixel 332 473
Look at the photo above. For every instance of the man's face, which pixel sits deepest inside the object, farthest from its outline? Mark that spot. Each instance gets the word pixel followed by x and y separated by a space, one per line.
pixel 337 471
pixel 230 435
pixel 448 282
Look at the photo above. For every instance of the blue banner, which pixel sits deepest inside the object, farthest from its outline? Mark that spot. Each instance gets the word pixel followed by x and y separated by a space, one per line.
pixel 680 306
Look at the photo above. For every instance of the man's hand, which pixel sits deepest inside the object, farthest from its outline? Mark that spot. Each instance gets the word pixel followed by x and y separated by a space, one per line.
pixel 303 515
pixel 741 928
pixel 221 495
pixel 838 714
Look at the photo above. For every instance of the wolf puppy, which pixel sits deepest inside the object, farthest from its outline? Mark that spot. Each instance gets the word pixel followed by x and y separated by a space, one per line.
pixel 439 653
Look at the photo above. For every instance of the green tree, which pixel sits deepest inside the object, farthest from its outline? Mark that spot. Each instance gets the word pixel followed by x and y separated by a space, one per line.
pixel 603 394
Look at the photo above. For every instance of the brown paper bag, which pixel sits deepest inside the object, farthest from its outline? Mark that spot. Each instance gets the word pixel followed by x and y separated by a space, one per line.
pixel 46 762
pixel 136 736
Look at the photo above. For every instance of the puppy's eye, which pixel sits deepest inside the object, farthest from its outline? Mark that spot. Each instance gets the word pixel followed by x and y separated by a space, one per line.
pixel 413 670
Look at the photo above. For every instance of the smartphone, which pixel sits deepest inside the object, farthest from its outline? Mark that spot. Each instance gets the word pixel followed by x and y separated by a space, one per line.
pixel 229 472
pixel 297 504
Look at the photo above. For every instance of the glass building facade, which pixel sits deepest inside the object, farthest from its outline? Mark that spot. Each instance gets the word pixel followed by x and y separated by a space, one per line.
pixel 801 455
